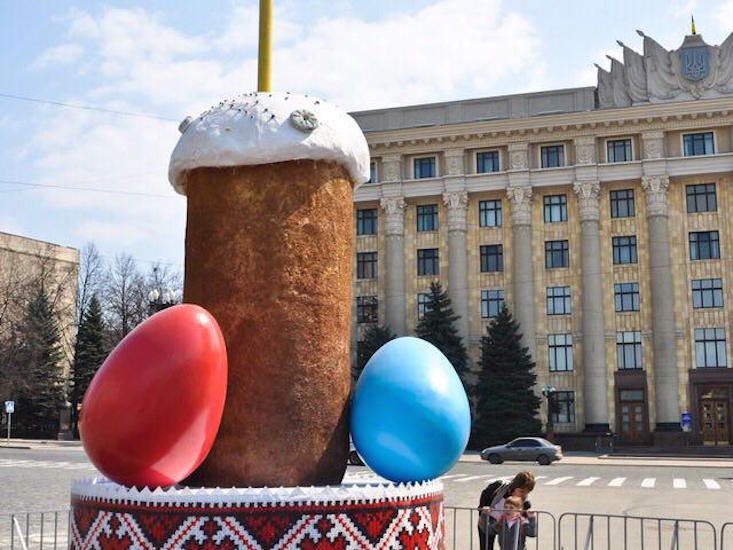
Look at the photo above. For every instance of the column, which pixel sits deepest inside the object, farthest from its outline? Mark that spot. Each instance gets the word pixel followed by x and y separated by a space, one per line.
pixel 457 204
pixel 520 201
pixel 595 373
pixel 663 331
pixel 394 210
pixel 391 168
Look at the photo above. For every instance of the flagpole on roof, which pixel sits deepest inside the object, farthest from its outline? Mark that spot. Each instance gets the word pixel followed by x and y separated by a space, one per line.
pixel 265 46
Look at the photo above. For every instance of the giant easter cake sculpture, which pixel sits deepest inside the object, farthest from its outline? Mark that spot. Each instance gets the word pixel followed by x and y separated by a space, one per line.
pixel 269 180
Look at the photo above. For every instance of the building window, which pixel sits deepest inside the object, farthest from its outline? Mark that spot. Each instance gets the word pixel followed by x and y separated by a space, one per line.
pixel 701 198
pixel 704 245
pixel 372 172
pixel 556 254
pixel 556 208
pixel 427 217
pixel 707 293
pixel 366 265
pixel 367 309
pixel 626 296
pixel 622 203
pixel 628 349
pixel 487 161
pixel 710 347
pixel 423 304
pixel 366 221
pixel 558 300
pixel 424 167
pixel 699 144
pixel 492 302
pixel 618 150
pixel 492 258
pixel 624 249
pixel 428 261
pixel 552 156
pixel 560 348
pixel 489 213
pixel 564 407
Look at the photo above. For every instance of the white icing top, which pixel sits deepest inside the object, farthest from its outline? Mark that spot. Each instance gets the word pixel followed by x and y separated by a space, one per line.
pixel 264 128
pixel 351 490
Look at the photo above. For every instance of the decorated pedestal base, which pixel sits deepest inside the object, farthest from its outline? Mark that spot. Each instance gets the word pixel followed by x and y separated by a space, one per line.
pixel 367 513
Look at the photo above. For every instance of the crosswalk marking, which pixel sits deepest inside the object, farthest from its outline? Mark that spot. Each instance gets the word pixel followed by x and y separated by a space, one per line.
pixel 648 482
pixel 679 483
pixel 471 478
pixel 558 480
pixel 711 484
pixel 616 482
pixel 449 476
pixel 587 481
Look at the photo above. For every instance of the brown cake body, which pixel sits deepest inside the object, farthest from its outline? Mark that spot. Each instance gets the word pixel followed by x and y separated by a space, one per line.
pixel 269 254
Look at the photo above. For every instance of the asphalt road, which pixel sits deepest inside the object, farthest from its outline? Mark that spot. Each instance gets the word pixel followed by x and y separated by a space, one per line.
pixel 39 480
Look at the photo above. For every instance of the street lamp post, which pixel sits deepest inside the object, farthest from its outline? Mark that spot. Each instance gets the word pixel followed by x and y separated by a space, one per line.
pixel 548 392
pixel 158 300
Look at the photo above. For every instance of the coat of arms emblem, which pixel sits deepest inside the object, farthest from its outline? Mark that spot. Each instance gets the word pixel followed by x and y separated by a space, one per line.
pixel 695 62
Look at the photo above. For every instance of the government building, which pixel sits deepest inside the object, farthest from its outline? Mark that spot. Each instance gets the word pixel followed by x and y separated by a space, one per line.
pixel 600 216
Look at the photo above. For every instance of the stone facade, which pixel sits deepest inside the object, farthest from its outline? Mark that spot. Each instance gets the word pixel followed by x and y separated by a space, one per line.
pixel 648 159
pixel 21 261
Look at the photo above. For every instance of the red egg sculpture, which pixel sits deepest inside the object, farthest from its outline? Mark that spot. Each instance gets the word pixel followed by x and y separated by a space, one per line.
pixel 152 411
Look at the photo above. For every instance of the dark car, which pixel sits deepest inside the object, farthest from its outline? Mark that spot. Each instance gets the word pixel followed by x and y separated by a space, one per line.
pixel 534 449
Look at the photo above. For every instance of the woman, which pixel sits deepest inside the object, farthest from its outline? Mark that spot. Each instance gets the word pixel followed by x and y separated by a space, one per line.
pixel 491 503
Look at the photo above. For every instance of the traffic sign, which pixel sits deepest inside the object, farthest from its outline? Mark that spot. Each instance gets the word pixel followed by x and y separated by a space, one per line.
pixel 10 407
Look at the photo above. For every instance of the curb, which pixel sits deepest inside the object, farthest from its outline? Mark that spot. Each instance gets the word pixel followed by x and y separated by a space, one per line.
pixel 686 458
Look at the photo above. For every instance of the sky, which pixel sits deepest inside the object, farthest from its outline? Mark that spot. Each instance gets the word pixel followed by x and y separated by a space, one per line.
pixel 170 59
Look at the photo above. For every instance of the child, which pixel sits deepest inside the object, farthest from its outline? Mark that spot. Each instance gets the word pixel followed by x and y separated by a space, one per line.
pixel 512 528
pixel 491 503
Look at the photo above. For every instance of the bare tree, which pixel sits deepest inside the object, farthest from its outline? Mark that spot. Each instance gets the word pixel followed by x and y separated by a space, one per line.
pixel 125 299
pixel 91 278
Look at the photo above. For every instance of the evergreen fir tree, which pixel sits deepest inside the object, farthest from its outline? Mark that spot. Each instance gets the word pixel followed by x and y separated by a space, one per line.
pixel 375 337
pixel 436 326
pixel 41 399
pixel 506 405
pixel 90 351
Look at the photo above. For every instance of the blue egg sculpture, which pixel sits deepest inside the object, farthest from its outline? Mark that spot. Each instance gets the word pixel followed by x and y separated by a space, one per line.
pixel 410 417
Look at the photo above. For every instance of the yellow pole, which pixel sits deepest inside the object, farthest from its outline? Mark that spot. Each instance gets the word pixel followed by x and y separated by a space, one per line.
pixel 265 47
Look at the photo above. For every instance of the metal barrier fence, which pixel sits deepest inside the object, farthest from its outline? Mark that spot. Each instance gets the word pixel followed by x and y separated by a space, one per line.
pixel 31 530
pixel 572 531
pixel 725 527
pixel 607 532
pixel 461 530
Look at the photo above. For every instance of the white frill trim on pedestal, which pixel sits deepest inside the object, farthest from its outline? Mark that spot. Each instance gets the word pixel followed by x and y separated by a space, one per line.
pixel 363 491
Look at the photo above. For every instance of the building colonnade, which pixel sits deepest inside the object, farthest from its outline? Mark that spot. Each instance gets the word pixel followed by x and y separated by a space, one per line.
pixel 519 194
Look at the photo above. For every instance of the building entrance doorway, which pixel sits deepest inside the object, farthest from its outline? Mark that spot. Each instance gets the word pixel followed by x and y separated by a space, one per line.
pixel 714 416
pixel 631 417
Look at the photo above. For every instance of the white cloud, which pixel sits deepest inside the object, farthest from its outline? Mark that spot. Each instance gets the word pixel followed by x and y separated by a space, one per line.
pixel 724 14
pixel 116 233
pixel 242 31
pixel 9 224
pixel 683 9
pixel 589 75
pixel 413 57
pixel 64 54
pixel 136 62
